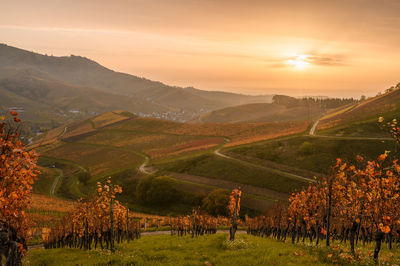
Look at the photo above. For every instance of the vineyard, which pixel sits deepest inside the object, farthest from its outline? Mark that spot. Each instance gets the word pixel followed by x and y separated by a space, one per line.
pixel 356 204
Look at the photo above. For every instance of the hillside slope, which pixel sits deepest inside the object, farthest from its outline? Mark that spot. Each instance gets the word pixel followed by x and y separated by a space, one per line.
pixel 260 112
pixel 282 108
pixel 367 111
pixel 120 144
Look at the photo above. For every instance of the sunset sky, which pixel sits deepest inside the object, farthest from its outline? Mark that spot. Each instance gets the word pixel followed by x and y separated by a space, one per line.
pixel 299 47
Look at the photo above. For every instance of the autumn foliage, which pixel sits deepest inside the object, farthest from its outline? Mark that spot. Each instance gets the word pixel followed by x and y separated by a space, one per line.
pixel 18 171
pixel 234 208
pixel 356 202
pixel 90 220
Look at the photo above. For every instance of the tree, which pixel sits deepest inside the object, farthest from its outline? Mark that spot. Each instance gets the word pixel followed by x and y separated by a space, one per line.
pixel 216 202
pixel 18 170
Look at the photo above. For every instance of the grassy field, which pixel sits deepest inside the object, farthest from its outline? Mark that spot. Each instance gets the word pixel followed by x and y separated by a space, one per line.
pixel 362 128
pixel 316 154
pixel 69 185
pixel 367 128
pixel 45 180
pixel 213 166
pixel 210 250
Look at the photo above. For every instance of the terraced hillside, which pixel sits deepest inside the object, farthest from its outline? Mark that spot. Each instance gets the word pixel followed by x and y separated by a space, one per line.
pixel 121 145
pixel 267 159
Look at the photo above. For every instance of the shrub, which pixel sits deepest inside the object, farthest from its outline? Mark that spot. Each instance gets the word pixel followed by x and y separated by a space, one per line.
pixel 306 148
pixel 216 202
pixel 159 190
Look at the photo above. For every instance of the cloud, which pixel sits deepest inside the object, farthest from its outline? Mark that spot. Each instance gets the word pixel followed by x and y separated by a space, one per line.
pixel 326 60
pixel 312 59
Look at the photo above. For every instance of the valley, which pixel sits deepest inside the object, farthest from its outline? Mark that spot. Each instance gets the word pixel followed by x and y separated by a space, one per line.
pixel 268 160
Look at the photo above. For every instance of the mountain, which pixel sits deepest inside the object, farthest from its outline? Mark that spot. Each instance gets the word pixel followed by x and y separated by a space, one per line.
pixel 77 81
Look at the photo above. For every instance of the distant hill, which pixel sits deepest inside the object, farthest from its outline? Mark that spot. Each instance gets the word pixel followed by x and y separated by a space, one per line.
pixel 283 108
pixel 259 112
pixel 79 84
pixel 47 101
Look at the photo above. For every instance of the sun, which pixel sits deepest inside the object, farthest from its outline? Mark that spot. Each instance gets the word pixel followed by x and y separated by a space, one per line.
pixel 299 62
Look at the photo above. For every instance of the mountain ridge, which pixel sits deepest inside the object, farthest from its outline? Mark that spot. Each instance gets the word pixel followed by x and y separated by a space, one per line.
pixel 81 71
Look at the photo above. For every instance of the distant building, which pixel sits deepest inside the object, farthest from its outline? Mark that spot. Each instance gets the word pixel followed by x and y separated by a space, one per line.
pixel 17 109
pixel 74 111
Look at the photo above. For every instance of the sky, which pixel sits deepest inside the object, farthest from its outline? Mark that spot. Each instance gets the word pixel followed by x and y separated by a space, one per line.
pixel 341 48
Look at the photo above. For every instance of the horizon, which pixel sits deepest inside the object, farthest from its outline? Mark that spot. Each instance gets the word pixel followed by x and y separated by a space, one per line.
pixel 342 49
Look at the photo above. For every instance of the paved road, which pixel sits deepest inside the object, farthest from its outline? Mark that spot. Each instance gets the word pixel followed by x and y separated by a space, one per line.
pixel 280 172
pixel 312 130
pixel 55 182
pixel 314 127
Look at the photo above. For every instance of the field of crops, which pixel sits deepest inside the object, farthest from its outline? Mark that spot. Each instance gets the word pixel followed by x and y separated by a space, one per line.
pixel 152 143
pixel 108 118
pixel 99 160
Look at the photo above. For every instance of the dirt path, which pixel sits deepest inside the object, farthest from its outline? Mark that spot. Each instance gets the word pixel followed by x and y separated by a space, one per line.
pixel 169 232
pixel 156 233
pixel 146 170
pixel 63 133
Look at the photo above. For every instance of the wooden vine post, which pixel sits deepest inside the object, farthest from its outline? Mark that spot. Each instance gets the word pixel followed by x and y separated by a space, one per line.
pixel 127 223
pixel 112 248
pixel 234 208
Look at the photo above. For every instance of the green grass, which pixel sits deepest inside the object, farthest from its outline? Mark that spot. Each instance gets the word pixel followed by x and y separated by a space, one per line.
pixel 45 180
pixel 314 153
pixel 68 185
pixel 213 166
pixel 212 249
pixel 366 128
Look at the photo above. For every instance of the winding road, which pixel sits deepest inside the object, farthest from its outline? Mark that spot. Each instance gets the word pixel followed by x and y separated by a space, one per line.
pixel 312 130
pixel 290 175
pixel 143 167
pixel 55 182
pixel 314 127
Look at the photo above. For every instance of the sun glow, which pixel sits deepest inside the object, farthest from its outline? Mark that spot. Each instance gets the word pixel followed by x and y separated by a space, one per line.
pixel 299 62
